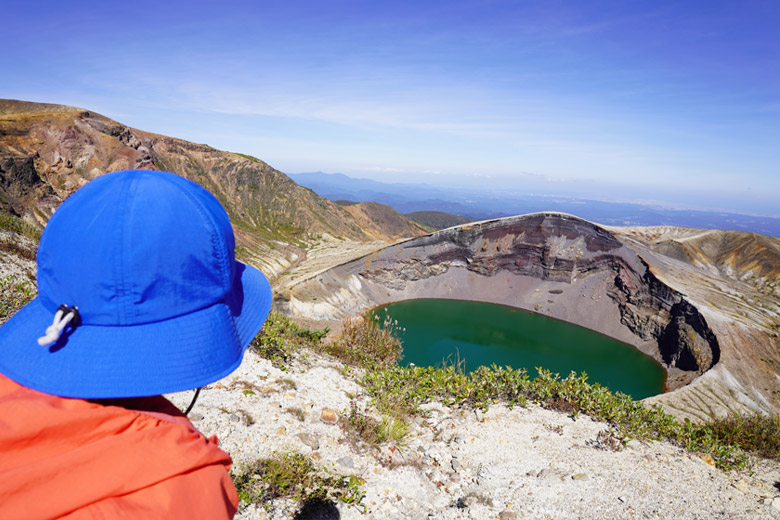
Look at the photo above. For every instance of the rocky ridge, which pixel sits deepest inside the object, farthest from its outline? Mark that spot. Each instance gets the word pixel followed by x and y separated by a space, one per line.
pixel 49 151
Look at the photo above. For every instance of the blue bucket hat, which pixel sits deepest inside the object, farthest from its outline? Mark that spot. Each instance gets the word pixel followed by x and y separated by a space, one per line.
pixel 139 293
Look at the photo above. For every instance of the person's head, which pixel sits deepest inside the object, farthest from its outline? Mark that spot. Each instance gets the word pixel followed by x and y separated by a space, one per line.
pixel 154 300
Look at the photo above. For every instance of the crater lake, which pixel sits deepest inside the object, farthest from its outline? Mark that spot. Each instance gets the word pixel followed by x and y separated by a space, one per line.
pixel 437 332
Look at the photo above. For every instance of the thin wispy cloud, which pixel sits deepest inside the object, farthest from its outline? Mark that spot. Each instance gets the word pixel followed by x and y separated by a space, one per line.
pixel 630 94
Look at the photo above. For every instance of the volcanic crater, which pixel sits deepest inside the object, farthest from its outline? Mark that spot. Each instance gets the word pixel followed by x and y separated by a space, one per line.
pixel 560 266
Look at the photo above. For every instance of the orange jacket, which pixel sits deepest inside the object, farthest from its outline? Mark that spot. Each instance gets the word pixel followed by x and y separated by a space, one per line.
pixel 70 458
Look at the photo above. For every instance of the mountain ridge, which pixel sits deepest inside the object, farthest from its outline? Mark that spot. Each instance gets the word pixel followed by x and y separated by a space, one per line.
pixel 48 151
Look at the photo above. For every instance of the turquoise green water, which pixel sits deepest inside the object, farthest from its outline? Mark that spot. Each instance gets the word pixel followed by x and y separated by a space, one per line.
pixel 442 331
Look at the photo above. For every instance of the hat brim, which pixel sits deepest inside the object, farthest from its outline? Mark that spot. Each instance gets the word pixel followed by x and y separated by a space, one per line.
pixel 100 362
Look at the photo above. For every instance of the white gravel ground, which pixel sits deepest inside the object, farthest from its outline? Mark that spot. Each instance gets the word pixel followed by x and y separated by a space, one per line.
pixel 505 464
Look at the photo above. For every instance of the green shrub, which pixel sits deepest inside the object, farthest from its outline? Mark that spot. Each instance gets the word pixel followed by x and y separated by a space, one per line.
pixel 15 292
pixel 366 343
pixel 280 338
pixel 17 225
pixel 361 429
pixel 292 475
pixel 759 434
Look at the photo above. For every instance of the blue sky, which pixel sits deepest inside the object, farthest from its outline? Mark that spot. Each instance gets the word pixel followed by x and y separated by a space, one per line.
pixel 673 102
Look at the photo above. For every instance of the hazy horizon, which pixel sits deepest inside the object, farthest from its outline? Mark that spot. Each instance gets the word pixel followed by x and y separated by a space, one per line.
pixel 573 191
pixel 674 103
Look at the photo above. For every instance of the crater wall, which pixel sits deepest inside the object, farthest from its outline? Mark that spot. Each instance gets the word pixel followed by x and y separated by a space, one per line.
pixel 551 263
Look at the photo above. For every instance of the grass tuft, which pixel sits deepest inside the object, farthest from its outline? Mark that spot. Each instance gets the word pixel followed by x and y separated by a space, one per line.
pixel 17 225
pixel 367 344
pixel 280 337
pixel 15 292
pixel 361 429
pixel 294 476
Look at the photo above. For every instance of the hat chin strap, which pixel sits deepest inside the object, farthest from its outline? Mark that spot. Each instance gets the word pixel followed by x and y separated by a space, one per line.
pixel 62 317
pixel 194 398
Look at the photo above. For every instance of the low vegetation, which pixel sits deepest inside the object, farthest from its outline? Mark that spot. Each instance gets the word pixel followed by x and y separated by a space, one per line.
pixel 15 292
pixel 366 343
pixel 362 430
pixel 397 393
pixel 17 237
pixel 17 225
pixel 280 338
pixel 294 476
pixel 727 440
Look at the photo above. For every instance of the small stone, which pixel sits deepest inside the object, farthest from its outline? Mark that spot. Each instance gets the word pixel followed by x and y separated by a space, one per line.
pixel 467 501
pixel 459 438
pixel 281 430
pixel 507 515
pixel 329 416
pixel 579 476
pixel 316 455
pixel 234 418
pixel 743 486
pixel 479 415
pixel 195 417
pixel 455 464
pixel 708 459
pixel 776 503
pixel 346 462
pixel 309 440
pixel 546 474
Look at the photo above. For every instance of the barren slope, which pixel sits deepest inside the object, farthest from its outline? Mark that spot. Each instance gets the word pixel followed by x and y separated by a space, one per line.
pixel 380 221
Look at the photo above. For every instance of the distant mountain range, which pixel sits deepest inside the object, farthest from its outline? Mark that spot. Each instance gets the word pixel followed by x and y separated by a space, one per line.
pixel 478 204
pixel 436 219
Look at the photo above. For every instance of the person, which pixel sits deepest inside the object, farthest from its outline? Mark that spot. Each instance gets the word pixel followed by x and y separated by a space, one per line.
pixel 139 294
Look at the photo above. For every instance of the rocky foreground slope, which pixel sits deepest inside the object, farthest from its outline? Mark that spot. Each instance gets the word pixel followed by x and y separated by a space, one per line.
pixel 461 464
pixel 710 318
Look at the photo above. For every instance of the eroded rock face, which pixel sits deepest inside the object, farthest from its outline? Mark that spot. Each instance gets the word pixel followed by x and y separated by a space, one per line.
pixel 20 184
pixel 687 342
pixel 555 264
pixel 654 311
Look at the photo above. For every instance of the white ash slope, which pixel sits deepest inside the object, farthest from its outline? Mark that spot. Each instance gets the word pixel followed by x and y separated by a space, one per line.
pixel 457 463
